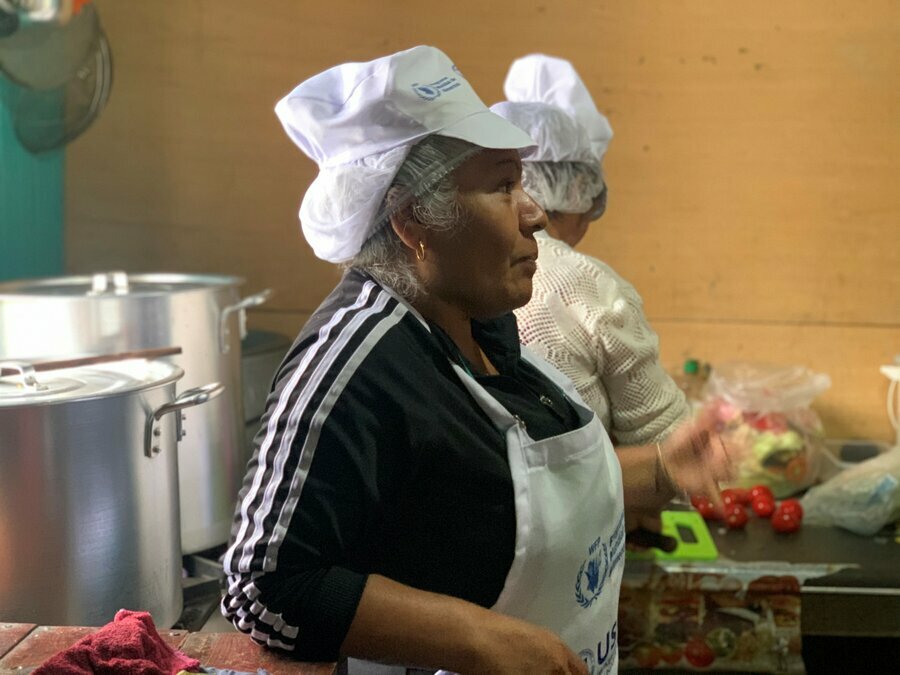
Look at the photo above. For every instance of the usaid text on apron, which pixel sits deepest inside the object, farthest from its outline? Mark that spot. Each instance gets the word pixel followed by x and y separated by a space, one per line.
pixel 570 528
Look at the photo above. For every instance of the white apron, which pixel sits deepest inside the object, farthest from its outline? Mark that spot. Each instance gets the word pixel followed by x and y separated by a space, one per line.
pixel 570 528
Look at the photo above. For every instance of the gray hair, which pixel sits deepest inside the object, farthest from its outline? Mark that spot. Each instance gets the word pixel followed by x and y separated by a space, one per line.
pixel 424 184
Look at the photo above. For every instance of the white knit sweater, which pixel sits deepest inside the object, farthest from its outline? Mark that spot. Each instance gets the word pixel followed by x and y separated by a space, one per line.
pixel 589 322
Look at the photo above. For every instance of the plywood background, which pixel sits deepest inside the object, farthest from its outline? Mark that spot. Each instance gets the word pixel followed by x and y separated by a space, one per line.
pixel 754 172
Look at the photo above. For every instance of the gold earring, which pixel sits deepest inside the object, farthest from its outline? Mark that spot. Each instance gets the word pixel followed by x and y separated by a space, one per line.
pixel 420 252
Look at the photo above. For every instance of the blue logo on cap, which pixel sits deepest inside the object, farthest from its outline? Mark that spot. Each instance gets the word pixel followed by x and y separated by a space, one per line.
pixel 431 91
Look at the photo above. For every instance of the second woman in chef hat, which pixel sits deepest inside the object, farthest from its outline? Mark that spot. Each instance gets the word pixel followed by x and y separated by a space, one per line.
pixel 583 317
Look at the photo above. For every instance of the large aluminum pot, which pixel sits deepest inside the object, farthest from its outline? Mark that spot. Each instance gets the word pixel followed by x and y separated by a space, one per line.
pixel 116 312
pixel 89 492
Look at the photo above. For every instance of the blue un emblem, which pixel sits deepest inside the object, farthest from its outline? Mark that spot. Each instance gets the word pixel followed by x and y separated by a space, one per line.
pixel 592 574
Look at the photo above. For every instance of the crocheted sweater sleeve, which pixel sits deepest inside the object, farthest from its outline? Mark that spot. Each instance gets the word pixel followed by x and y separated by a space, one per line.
pixel 589 322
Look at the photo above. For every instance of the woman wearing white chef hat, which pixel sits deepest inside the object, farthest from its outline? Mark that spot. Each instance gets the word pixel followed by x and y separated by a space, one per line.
pixel 423 492
pixel 583 317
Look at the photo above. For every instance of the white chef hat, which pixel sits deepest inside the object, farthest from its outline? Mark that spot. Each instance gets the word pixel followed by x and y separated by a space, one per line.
pixel 357 121
pixel 554 82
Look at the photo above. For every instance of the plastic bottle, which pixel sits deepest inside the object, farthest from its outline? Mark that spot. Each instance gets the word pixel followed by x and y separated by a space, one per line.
pixel 691 381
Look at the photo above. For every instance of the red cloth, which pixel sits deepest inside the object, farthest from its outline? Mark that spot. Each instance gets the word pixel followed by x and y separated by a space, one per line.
pixel 128 645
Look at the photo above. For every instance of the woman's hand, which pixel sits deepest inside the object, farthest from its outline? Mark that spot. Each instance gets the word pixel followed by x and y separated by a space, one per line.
pixel 692 460
pixel 508 645
pixel 695 458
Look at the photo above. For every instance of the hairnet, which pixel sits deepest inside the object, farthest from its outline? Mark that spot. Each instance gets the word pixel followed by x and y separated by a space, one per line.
pixel 563 187
pixel 346 197
pixel 558 135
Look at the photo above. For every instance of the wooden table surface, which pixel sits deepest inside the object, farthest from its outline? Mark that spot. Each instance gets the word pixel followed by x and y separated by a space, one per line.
pixel 25 646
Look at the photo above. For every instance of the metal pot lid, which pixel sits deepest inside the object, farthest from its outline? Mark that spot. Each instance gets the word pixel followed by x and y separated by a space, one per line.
pixel 117 283
pixel 86 382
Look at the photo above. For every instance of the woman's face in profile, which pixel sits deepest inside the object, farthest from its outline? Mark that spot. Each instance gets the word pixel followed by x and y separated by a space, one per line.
pixel 484 266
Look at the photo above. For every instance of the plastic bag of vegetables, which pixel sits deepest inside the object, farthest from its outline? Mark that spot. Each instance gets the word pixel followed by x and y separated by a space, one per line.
pixel 767 408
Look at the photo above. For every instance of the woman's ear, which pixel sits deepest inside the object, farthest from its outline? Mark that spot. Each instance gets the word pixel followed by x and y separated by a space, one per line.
pixel 409 230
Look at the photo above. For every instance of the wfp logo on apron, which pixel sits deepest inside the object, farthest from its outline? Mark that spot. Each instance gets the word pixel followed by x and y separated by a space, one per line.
pixel 602 557
pixel 592 573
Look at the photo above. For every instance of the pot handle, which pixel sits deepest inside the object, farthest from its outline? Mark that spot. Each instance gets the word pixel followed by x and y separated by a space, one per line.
pixel 26 371
pixel 250 301
pixel 101 282
pixel 185 399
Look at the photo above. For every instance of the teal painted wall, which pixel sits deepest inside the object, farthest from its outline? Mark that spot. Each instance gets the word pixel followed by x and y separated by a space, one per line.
pixel 31 202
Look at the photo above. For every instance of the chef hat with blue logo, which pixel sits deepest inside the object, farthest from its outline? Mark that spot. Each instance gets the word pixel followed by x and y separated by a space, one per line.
pixel 548 99
pixel 358 121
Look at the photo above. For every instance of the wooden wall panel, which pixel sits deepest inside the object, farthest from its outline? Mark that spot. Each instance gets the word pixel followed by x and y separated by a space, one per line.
pixel 753 168
pixel 753 172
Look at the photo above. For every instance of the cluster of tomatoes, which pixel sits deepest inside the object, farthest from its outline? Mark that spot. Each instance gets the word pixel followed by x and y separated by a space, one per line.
pixel 696 652
pixel 785 516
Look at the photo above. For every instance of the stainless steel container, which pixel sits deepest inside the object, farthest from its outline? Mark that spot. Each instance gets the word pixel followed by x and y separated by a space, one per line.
pixel 89 492
pixel 116 312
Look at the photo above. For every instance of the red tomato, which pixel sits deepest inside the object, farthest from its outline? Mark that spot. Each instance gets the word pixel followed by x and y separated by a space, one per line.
pixel 772 422
pixel 785 522
pixel 735 517
pixel 698 653
pixel 760 491
pixel 647 656
pixel 706 509
pixel 792 506
pixel 670 653
pixel 735 496
pixel 763 506
pixel 696 500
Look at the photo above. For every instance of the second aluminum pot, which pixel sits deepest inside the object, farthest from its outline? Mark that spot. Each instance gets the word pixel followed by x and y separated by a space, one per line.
pixel 115 312
pixel 89 492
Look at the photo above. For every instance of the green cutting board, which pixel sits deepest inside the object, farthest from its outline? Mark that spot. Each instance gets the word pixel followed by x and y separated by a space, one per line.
pixel 689 529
